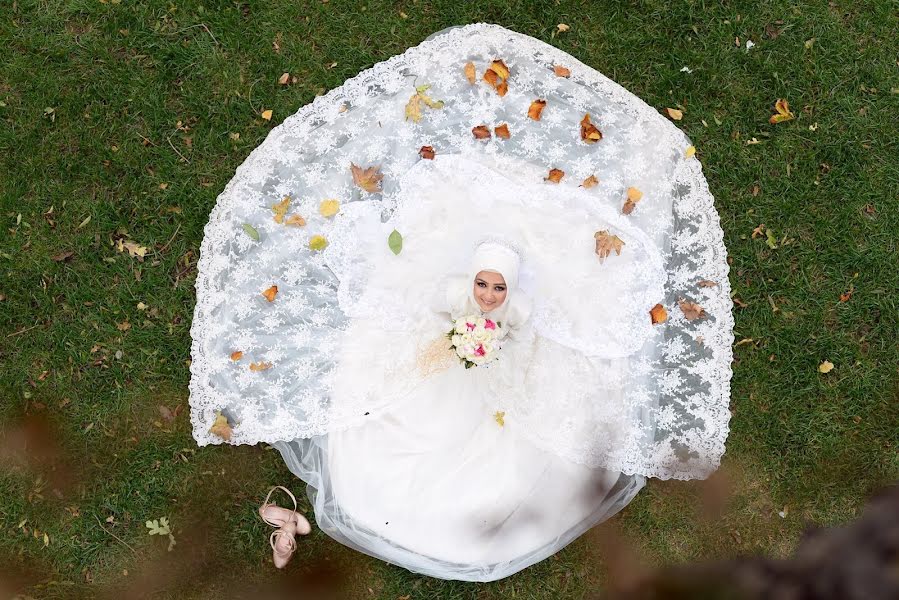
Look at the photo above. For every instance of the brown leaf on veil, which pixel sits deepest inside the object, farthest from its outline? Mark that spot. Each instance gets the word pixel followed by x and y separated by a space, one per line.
pixel 497 75
pixel 536 108
pixel 470 73
pixel 589 133
pixel 606 243
pixel 481 132
pixel 280 209
pixel 590 182
pixel 270 293
pixel 633 196
pixel 426 152
pixel 368 179
pixel 502 131
pixel 555 175
pixel 691 310
pixel 220 426
pixel 658 314
pixel 561 71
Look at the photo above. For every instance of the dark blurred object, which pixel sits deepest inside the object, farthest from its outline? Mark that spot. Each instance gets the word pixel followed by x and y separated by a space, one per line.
pixel 858 561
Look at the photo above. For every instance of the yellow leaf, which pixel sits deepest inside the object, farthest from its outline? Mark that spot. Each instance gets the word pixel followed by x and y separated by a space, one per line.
pixel 825 367
pixel 562 27
pixel 470 74
pixel 267 115
pixel 284 79
pixel 691 150
pixel 260 366
pixel 133 248
pixel 633 196
pixel 782 107
pixel 675 114
pixel 499 417
pixel 280 209
pixel 500 68
pixel 295 220
pixel 318 242
pixel 413 108
pixel 606 243
pixel 220 426
pixel 329 207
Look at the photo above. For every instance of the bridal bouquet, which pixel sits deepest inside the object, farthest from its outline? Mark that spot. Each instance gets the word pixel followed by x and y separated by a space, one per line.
pixel 475 339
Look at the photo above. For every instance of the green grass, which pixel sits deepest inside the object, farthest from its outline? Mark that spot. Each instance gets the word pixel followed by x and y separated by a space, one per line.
pixel 92 94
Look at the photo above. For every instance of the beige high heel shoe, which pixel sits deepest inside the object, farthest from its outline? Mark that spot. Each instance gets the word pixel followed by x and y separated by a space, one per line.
pixel 277 516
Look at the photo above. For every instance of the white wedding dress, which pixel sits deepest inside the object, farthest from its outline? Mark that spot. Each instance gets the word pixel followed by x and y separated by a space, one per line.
pixel 461 473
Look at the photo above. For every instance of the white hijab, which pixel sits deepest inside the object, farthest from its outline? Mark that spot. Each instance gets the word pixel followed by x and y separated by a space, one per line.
pixel 494 257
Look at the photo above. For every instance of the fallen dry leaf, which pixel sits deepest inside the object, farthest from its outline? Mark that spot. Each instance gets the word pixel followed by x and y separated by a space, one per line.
pixel 691 151
pixel 267 115
pixel 590 182
pixel 470 73
pixel 329 207
pixel 295 221
pixel 220 426
pixel 562 27
pixel 499 417
pixel 706 283
pixel 481 132
pixel 236 355
pixel 825 367
pixel 561 71
pixel 260 366
pixel 555 175
pixel 691 310
pixel 589 132
pixel 502 131
pixel 674 113
pixel 497 75
pixel 426 152
pixel 419 98
pixel 284 79
pixel 536 108
pixel 633 196
pixel 658 314
pixel 270 293
pixel 606 243
pixel 782 111
pixel 368 179
pixel 280 209
pixel 318 242
pixel 123 326
pixel 133 248
pixel 845 296
pixel 62 256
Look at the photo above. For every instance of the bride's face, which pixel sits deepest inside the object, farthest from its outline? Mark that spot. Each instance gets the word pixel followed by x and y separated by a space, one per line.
pixel 489 290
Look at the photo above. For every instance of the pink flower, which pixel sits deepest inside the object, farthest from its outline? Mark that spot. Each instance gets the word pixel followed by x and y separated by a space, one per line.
pixel 479 351
pixel 470 326
pixel 489 324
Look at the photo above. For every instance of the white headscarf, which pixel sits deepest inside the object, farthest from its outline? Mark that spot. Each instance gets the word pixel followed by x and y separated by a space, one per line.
pixel 494 257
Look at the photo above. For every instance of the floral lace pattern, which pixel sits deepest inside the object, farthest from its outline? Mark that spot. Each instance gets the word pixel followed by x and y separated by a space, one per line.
pixel 671 410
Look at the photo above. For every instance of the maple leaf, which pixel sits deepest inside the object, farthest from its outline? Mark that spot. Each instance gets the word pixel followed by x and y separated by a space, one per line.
pixel 270 293
pixel 236 355
pixel 675 114
pixel 426 152
pixel 691 310
pixel 658 314
pixel 470 73
pixel 590 182
pixel 589 132
pixel 561 71
pixel 502 131
pixel 368 179
pixel 295 221
pixel 133 248
pixel 783 112
pixel 633 196
pixel 260 366
pixel 606 243
pixel 220 426
pixel 318 242
pixel 280 209
pixel 481 132
pixel 329 207
pixel 555 175
pixel 413 107
pixel 536 108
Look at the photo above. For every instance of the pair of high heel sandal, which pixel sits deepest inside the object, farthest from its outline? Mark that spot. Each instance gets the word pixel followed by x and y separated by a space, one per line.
pixel 289 524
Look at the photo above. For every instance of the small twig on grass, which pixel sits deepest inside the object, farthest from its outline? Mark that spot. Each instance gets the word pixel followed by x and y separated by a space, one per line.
pixel 169 140
pixel 161 250
pixel 114 535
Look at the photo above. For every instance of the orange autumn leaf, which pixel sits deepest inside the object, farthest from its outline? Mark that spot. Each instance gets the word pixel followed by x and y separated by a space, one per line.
pixel 502 131
pixel 295 221
pixel 502 88
pixel 590 182
pixel 481 132
pixel 691 310
pixel 426 152
pixel 368 179
pixel 470 74
pixel 555 175
pixel 589 132
pixel 675 114
pixel 236 355
pixel 658 314
pixel 606 243
pixel 783 112
pixel 491 77
pixel 706 283
pixel 536 108
pixel 270 293
pixel 280 209
pixel 260 366
pixel 561 71
pixel 500 68
pixel 633 196
pixel 220 426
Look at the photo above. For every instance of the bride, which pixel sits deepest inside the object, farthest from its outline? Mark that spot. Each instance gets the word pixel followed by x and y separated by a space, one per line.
pixel 481 178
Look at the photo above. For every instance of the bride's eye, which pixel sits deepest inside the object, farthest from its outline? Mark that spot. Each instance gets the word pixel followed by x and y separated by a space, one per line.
pixel 481 284
pixel 500 288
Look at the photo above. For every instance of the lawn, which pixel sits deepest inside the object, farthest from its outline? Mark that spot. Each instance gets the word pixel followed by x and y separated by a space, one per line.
pixel 121 121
